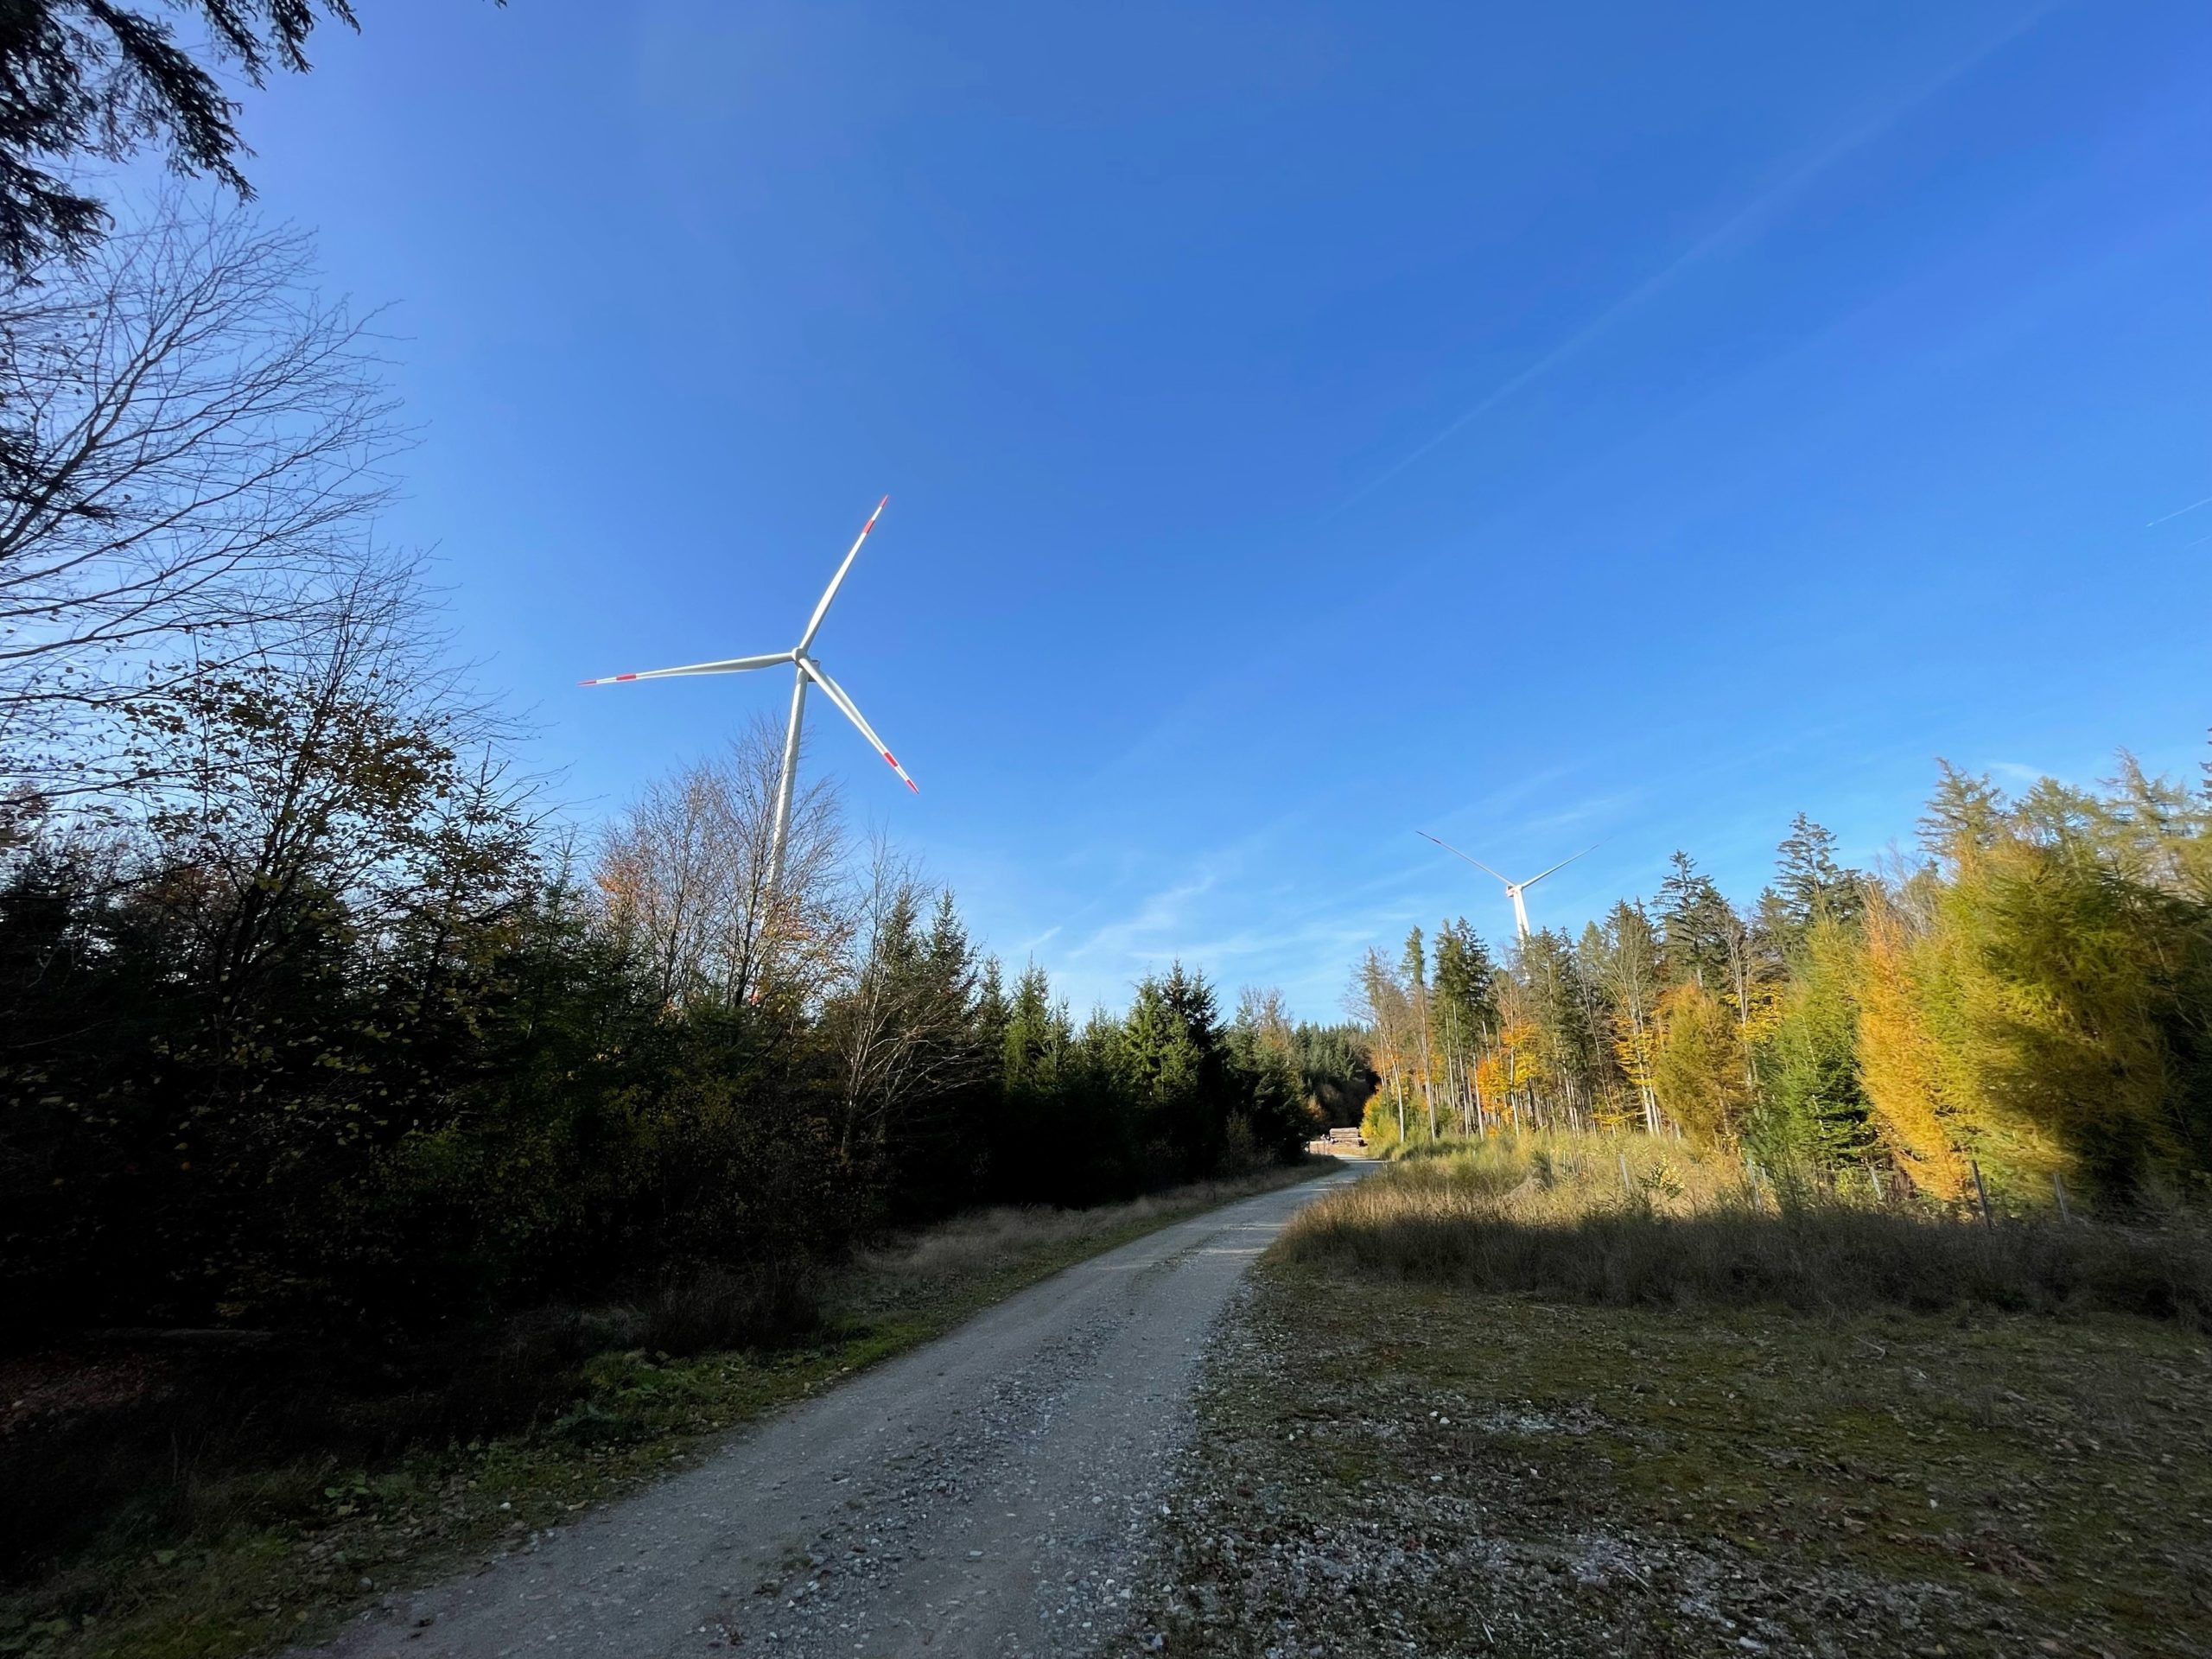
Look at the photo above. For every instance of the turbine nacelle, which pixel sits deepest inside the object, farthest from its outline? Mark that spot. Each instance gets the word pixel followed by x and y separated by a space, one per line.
pixel 809 671
pixel 1513 889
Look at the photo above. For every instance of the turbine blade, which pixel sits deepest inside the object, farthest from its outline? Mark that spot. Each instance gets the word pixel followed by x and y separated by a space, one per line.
pixel 732 665
pixel 814 622
pixel 1470 859
pixel 835 693
pixel 1564 862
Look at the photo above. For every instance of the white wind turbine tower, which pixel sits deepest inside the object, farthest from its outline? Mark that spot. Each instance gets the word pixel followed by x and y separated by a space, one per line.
pixel 804 668
pixel 1513 889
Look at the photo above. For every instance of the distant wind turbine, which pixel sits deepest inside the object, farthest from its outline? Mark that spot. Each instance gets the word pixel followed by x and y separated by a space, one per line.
pixel 1513 889
pixel 805 668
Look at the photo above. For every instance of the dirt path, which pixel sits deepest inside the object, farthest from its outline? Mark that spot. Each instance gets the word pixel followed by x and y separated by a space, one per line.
pixel 991 1493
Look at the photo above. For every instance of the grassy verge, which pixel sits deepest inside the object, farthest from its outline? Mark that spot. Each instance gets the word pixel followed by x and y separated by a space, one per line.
pixel 1401 1454
pixel 1634 1222
pixel 240 1562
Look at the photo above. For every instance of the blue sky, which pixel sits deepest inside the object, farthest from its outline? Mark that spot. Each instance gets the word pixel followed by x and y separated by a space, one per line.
pixel 1303 423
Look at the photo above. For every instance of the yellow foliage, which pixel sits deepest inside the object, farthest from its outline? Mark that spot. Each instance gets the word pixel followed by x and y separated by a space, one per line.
pixel 1698 1068
pixel 1899 1062
pixel 1513 1063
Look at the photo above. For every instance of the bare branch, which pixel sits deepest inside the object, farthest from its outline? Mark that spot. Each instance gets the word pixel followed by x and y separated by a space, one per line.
pixel 191 452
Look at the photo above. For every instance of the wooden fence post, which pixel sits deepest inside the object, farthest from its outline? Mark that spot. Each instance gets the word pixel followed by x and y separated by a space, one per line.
pixel 1981 1192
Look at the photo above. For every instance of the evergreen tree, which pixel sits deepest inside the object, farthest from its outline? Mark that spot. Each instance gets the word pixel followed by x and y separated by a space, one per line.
pixel 1694 925
pixel 1334 1063
pixel 1277 1116
pixel 1425 1045
pixel 1814 1111
pixel 1964 812
pixel 1810 883
pixel 96 78
pixel 1464 1014
pixel 1178 1068
pixel 1557 1005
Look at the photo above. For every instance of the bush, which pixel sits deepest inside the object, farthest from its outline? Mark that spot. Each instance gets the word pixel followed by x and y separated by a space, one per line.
pixel 719 1308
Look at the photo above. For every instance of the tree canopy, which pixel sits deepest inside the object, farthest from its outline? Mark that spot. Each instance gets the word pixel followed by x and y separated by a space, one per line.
pixel 2034 1001
pixel 95 79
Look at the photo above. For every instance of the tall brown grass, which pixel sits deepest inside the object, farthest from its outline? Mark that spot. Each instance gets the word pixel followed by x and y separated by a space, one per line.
pixel 1623 1220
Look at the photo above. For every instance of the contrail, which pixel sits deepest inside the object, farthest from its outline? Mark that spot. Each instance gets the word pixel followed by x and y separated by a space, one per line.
pixel 1741 221
pixel 2177 512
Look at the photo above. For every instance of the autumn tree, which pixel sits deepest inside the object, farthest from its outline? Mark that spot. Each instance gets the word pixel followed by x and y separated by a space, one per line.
pixel 1380 1002
pixel 1697 1067
pixel 684 873
pixel 1627 967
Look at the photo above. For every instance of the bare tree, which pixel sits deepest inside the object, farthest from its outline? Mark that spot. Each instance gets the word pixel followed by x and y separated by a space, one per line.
pixel 685 874
pixel 191 452
pixel 903 1027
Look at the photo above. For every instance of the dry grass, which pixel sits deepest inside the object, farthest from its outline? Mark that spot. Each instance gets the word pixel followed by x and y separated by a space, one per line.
pixel 983 1242
pixel 1631 1222
pixel 1511 1400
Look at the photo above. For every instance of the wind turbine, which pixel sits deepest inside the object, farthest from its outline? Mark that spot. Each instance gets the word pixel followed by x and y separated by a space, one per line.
pixel 804 668
pixel 1513 889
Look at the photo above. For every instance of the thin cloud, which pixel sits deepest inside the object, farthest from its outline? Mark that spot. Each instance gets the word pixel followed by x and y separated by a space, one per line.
pixel 1162 913
pixel 1738 225
pixel 2178 511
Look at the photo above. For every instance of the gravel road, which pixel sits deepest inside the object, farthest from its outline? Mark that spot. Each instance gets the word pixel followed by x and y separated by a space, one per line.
pixel 992 1493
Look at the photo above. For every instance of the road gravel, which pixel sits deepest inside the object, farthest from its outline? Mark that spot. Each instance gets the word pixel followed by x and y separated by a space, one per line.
pixel 992 1493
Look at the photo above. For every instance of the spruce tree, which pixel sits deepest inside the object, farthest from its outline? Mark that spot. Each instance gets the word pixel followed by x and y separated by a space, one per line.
pixel 1694 925
pixel 1809 881
pixel 1177 1066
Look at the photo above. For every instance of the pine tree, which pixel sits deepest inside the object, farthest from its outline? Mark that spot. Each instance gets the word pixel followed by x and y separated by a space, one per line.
pixel 1264 1046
